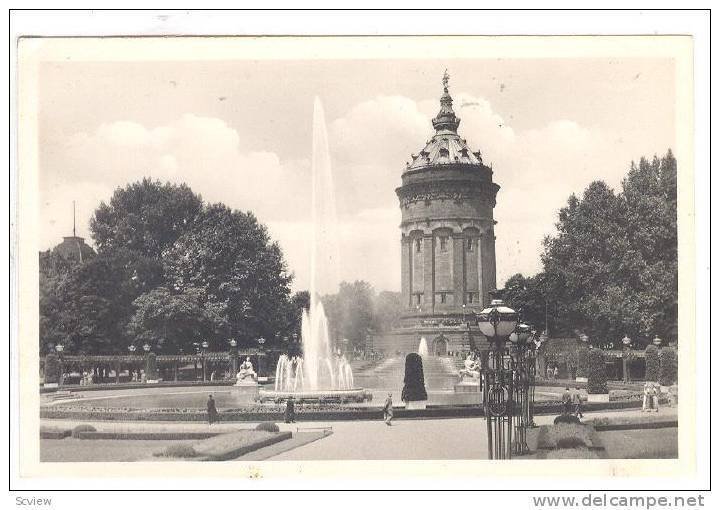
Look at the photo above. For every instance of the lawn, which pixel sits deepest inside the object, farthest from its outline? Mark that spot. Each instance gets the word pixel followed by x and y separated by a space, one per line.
pixel 99 450
pixel 641 444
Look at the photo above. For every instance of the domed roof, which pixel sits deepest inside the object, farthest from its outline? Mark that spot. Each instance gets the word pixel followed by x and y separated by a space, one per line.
pixel 445 147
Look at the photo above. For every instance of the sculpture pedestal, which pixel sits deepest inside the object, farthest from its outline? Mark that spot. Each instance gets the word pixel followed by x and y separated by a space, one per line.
pixel 246 391
pixel 415 404
pixel 598 397
pixel 467 387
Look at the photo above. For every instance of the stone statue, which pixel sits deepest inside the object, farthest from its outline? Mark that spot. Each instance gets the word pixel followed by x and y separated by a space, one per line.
pixel 246 373
pixel 472 368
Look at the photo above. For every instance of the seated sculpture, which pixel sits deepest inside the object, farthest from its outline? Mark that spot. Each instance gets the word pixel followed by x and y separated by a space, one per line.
pixel 472 368
pixel 246 373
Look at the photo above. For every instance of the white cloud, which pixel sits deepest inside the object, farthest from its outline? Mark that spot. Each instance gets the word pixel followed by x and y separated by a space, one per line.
pixel 537 170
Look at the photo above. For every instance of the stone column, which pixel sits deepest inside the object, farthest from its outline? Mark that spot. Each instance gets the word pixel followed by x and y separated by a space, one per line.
pixel 429 274
pixel 458 270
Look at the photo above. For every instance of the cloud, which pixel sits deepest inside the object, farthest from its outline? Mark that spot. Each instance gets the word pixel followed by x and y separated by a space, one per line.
pixel 537 170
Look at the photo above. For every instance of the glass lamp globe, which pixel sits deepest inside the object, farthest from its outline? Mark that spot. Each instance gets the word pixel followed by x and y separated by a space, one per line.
pixel 626 340
pixel 233 342
pixel 498 320
pixel 657 341
pixel 205 345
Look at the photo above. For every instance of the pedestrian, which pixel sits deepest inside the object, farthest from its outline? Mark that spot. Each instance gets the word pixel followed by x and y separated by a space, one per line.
pixel 555 372
pixel 388 410
pixel 212 413
pixel 577 401
pixel 290 410
pixel 549 372
pixel 566 401
pixel 655 397
pixel 647 399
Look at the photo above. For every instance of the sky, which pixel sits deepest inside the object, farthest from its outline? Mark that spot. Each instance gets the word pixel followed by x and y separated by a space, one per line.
pixel 240 132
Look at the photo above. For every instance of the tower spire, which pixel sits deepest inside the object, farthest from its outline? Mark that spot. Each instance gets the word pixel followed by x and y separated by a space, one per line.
pixel 446 118
pixel 73 218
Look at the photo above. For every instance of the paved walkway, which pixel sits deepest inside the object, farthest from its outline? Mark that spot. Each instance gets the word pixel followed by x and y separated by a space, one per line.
pixel 429 439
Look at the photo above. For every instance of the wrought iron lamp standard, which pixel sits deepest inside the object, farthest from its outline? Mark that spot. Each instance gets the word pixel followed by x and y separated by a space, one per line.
pixel 519 339
pixel 497 323
pixel 534 345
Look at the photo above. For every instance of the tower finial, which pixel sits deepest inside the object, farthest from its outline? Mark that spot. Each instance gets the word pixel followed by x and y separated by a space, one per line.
pixel 73 218
pixel 445 80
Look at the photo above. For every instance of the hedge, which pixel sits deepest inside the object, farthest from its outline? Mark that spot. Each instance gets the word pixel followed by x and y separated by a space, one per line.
pixel 668 366
pixel 52 368
pixel 597 378
pixel 582 357
pixel 151 371
pixel 652 364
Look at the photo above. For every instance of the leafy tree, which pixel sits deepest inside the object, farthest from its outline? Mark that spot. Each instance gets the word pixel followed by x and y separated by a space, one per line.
pixel 54 273
pixel 229 256
pixel 526 295
pixel 173 321
pixel 350 312
pixel 387 307
pixel 146 217
pixel 97 301
pixel 611 269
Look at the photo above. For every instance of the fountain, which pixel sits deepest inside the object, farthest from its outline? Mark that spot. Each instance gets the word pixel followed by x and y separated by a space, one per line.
pixel 321 373
pixel 423 348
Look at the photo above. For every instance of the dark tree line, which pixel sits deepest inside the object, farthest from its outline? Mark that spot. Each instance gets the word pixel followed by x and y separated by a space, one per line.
pixel 611 268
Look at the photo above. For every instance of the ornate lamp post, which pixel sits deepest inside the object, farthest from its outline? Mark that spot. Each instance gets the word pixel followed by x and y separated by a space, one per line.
pixel 519 340
pixel 657 341
pixel 59 348
pixel 204 346
pixel 497 322
pixel 131 350
pixel 233 356
pixel 626 343
pixel 261 355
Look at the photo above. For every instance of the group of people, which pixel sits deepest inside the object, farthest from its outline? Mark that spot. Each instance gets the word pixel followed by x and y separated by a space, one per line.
pixel 552 372
pixel 572 402
pixel 651 397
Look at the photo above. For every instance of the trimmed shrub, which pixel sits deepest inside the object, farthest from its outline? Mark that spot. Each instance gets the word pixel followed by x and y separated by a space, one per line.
pixel 668 366
pixel 52 368
pixel 566 418
pixel 414 382
pixel 571 442
pixel 652 364
pixel 268 426
pixel 177 450
pixel 597 378
pixel 84 427
pixel 582 361
pixel 151 371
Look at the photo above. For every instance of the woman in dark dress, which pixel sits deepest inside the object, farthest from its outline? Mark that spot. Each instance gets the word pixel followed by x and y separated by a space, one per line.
pixel 211 410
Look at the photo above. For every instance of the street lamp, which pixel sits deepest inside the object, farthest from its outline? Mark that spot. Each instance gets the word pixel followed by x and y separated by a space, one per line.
pixel 60 348
pixel 261 368
pixel 146 347
pixel 626 342
pixel 657 341
pixel 519 340
pixel 204 346
pixel 497 322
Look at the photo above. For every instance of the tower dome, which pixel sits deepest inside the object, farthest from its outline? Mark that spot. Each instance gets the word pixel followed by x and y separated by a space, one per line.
pixel 446 198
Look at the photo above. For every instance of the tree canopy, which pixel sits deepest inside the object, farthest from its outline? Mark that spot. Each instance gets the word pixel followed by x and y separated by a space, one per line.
pixel 611 268
pixel 170 270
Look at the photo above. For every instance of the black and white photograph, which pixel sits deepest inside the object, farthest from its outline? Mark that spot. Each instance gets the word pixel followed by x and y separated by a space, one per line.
pixel 271 251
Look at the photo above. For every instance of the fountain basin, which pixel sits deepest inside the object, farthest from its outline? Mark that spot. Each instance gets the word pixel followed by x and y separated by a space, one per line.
pixel 334 396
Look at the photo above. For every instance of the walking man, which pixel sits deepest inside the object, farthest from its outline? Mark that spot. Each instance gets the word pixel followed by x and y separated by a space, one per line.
pixel 566 401
pixel 388 410
pixel 577 401
pixel 212 413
